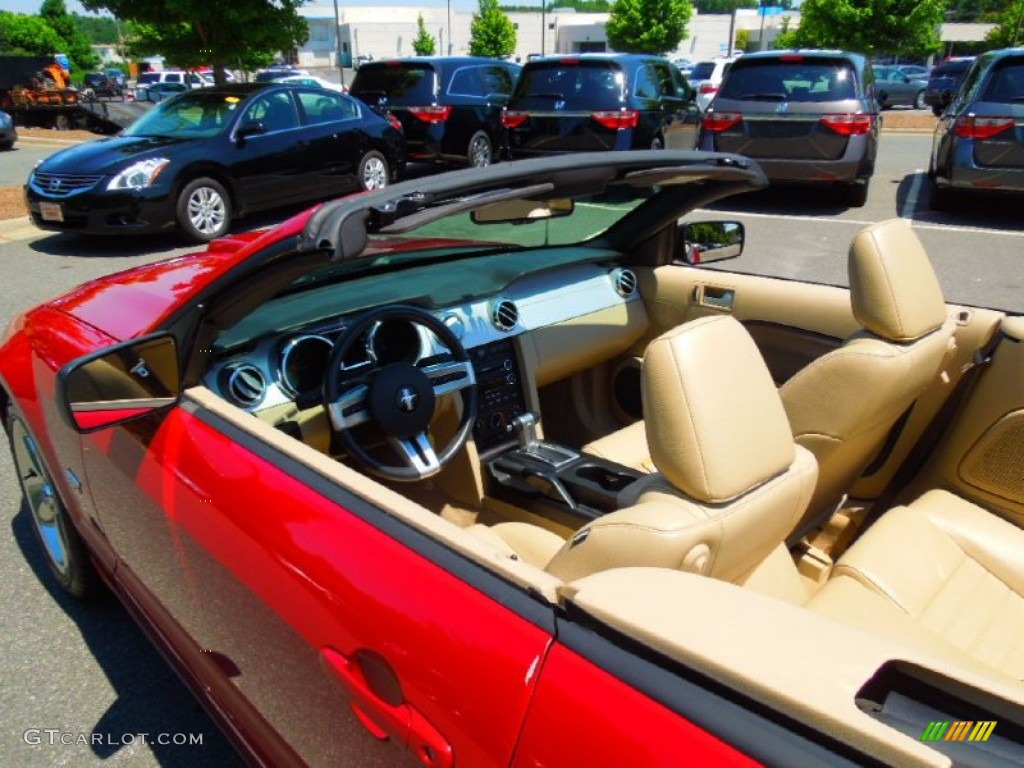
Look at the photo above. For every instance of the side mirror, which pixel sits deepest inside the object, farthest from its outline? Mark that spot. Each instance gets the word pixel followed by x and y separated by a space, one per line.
pixel 124 382
pixel 249 128
pixel 704 241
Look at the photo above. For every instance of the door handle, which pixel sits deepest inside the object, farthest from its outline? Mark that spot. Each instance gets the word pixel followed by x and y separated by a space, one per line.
pixel 384 719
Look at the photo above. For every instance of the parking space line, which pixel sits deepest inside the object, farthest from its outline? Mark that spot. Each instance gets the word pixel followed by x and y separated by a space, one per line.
pixel 910 203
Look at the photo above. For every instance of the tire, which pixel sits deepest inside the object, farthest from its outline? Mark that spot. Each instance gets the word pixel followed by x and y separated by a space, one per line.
pixel 479 151
pixel 203 210
pixel 919 102
pixel 937 111
pixel 657 143
pixel 942 198
pixel 373 171
pixel 857 193
pixel 63 549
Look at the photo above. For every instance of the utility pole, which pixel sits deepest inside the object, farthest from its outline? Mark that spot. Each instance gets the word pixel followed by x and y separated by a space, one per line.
pixel 337 32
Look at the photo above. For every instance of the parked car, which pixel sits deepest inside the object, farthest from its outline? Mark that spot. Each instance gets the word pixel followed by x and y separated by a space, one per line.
pixel 312 81
pixel 808 117
pixel 8 133
pixel 978 146
pixel 117 75
pixel 275 71
pixel 943 82
pixel 204 157
pixel 159 91
pixel 913 71
pixel 896 89
pixel 177 76
pixel 707 76
pixel 449 106
pixel 685 66
pixel 592 102
pixel 99 85
pixel 290 456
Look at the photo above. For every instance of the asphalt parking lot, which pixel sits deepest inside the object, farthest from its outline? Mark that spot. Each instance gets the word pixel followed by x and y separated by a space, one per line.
pixel 75 669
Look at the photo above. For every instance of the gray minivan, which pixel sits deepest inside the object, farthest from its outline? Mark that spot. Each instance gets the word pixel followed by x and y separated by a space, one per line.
pixel 806 116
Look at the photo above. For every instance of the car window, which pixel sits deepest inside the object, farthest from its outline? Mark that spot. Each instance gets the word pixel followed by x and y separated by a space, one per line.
pixel 327 107
pixel 196 113
pixel 1006 82
pixel 403 84
pixel 703 71
pixel 498 80
pixel 801 79
pixel 662 76
pixel 578 83
pixel 466 81
pixel 276 111
pixel 147 78
pixel 172 77
pixel 646 83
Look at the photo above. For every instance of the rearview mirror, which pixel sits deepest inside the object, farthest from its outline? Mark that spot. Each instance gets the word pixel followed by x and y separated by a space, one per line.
pixel 704 241
pixel 520 211
pixel 120 383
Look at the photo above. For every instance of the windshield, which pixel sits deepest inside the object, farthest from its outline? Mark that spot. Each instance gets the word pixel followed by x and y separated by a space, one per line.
pixel 703 71
pixel 574 82
pixel 799 79
pixel 194 114
pixel 403 84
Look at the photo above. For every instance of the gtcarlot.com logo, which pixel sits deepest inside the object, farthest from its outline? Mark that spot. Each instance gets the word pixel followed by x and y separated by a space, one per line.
pixel 55 736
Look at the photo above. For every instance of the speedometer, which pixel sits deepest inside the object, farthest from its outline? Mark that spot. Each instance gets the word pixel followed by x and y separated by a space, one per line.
pixel 303 364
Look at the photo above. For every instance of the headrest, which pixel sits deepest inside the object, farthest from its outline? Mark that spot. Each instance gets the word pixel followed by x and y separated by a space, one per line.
pixel 715 422
pixel 893 288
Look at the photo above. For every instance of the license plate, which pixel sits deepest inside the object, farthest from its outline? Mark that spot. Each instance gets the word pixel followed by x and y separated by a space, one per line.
pixel 51 211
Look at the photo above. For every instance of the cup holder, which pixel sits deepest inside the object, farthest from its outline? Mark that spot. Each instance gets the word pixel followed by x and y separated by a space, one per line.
pixel 605 478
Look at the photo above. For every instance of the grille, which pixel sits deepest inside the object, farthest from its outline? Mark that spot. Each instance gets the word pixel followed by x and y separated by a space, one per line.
pixel 504 315
pixel 624 281
pixel 246 385
pixel 63 183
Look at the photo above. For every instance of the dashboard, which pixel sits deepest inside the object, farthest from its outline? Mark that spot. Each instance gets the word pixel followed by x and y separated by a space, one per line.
pixel 289 367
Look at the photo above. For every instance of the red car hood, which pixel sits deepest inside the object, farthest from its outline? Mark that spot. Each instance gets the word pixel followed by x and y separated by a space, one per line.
pixel 134 302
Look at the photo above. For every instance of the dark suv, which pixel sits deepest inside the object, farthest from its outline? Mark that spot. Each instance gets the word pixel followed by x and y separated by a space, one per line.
pixel 805 116
pixel 593 102
pixel 943 82
pixel 450 107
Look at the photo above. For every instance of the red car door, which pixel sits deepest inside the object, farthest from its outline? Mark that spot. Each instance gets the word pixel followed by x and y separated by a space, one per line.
pixel 306 608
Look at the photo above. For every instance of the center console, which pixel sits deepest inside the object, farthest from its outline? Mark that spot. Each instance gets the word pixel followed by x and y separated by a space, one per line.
pixel 501 392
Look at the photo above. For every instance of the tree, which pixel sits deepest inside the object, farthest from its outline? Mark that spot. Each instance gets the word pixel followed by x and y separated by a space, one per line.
pixel 222 34
pixel 1010 30
pixel 491 33
pixel 23 35
pixel 76 45
pixel 648 26
pixel 424 44
pixel 869 26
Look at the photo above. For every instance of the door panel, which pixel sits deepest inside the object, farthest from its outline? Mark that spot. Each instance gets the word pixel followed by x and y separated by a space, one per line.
pixel 276 573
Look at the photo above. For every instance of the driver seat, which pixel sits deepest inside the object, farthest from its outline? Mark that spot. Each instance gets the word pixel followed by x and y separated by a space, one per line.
pixel 731 482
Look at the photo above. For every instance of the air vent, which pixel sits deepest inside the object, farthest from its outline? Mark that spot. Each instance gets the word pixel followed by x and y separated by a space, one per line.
pixel 246 385
pixel 505 315
pixel 624 281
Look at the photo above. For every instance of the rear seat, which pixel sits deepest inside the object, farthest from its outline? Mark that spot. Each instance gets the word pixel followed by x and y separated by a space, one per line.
pixel 942 574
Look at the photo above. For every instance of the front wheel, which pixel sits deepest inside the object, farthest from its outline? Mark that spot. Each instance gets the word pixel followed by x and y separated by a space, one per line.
pixel 65 552
pixel 937 111
pixel 657 143
pixel 480 153
pixel 203 210
pixel 919 102
pixel 373 171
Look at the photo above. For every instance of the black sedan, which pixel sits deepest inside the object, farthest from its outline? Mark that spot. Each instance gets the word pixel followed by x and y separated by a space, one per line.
pixel 204 157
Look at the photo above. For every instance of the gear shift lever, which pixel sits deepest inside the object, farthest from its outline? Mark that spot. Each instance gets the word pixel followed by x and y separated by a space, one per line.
pixel 525 427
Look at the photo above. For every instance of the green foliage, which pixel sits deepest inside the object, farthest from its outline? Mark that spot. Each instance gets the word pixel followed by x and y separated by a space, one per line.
pixel 492 33
pixel 869 26
pixel 424 44
pixel 648 26
pixel 742 41
pixel 101 30
pixel 238 33
pixel 23 35
pixel 76 45
pixel 1010 32
pixel 975 10
pixel 724 6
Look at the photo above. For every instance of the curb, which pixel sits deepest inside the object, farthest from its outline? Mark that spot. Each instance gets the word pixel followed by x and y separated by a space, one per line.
pixel 20 228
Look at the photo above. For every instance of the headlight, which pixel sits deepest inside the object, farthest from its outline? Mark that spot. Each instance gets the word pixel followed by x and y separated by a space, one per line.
pixel 139 175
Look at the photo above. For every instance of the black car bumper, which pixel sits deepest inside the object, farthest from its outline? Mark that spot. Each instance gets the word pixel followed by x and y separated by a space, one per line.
pixel 100 212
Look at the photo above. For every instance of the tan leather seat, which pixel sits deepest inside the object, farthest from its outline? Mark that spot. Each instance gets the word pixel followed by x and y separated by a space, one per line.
pixel 843 405
pixel 942 574
pixel 731 482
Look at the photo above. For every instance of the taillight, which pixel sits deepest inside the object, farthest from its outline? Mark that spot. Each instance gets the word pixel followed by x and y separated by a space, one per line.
pixel 395 122
pixel 708 88
pixel 434 114
pixel 849 125
pixel 971 127
pixel 717 122
pixel 513 119
pixel 616 121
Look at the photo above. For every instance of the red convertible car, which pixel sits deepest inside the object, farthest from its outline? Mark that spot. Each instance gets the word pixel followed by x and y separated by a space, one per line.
pixel 504 467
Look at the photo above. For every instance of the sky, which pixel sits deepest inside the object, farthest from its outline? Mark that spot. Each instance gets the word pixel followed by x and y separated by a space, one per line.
pixel 73 6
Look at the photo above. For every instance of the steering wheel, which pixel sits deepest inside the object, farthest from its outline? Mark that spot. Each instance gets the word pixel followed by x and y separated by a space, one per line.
pixel 400 397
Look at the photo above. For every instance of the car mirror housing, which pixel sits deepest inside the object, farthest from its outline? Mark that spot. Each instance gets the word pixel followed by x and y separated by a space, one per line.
pixel 704 241
pixel 249 128
pixel 120 383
